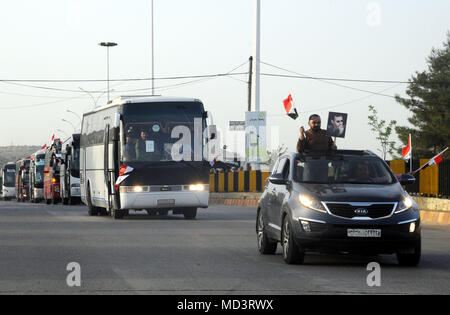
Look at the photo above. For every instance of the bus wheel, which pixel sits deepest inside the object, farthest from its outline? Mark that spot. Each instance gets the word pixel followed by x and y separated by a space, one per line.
pixel 92 211
pixel 48 201
pixel 163 212
pixel 118 214
pixel 190 213
pixel 65 201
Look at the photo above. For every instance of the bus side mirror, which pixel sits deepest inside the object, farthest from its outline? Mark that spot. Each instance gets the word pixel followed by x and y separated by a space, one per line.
pixel 212 130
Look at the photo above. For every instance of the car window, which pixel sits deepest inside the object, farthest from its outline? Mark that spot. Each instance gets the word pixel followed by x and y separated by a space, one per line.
pixel 280 166
pixel 286 169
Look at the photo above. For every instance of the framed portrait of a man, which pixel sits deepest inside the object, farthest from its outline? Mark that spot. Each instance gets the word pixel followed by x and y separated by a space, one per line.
pixel 337 124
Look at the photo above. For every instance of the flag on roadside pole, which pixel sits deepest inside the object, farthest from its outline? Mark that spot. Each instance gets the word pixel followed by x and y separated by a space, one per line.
pixel 288 106
pixel 406 151
pixel 53 137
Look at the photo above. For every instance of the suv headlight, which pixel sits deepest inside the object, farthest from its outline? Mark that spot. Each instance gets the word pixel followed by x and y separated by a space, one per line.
pixel 311 203
pixel 405 204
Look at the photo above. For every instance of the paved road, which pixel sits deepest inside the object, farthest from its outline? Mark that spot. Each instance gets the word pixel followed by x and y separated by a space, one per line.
pixel 215 254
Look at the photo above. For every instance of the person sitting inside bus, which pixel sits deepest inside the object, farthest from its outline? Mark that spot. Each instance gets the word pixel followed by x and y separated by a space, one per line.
pixel 129 151
pixel 143 147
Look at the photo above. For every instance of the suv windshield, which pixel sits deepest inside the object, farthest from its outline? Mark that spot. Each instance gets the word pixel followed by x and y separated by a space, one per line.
pixel 343 170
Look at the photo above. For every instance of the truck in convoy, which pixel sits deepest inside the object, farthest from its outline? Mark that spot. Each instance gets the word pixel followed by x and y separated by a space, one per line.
pixel 145 153
pixel 8 181
pixel 51 173
pixel 70 170
pixel 23 179
pixel 37 163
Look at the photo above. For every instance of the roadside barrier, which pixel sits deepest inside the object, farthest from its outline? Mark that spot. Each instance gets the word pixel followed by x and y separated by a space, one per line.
pixel 242 181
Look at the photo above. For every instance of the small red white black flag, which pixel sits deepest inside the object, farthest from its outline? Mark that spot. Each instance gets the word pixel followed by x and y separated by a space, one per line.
pixel 290 110
pixel 124 172
pixel 436 160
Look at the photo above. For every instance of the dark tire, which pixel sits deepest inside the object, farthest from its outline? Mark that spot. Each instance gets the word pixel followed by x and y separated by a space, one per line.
pixel 266 246
pixel 292 253
pixel 48 201
pixel 65 201
pixel 92 211
pixel 190 213
pixel 163 212
pixel 411 260
pixel 117 214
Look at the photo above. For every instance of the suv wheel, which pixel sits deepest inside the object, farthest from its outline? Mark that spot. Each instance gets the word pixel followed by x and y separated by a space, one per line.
pixel 412 259
pixel 266 246
pixel 292 253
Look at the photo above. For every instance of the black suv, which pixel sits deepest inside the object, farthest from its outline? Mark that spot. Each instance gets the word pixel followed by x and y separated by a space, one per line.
pixel 338 201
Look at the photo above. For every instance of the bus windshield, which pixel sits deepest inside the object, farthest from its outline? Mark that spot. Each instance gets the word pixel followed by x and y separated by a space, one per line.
pixel 9 177
pixel 39 181
pixel 75 163
pixel 162 131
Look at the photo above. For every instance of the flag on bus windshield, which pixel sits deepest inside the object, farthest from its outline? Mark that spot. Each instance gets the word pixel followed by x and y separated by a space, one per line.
pixel 288 106
pixel 124 172
pixel 407 151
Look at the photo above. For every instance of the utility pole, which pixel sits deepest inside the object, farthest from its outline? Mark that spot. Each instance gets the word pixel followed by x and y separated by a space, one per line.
pixel 250 77
pixel 257 73
pixel 153 50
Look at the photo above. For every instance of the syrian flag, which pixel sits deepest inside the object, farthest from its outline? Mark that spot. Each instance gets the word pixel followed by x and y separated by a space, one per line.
pixel 124 172
pixel 290 110
pixel 213 162
pixel 436 160
pixel 406 151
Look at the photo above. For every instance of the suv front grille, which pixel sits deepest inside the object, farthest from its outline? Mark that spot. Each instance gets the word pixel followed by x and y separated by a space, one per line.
pixel 349 210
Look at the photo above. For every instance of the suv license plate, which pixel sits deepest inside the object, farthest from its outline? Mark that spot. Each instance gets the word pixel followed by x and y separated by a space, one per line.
pixel 363 232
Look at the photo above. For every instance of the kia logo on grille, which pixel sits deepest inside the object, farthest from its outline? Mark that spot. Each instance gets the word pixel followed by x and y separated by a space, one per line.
pixel 361 211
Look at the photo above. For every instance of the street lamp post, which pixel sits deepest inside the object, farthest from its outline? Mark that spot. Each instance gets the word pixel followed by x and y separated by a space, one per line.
pixel 107 45
pixel 66 121
pixel 78 116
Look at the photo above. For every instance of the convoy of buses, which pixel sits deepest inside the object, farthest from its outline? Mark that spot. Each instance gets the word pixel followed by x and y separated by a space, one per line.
pixel 135 153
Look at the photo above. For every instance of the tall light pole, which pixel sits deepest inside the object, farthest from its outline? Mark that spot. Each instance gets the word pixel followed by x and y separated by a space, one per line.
pixel 93 98
pixel 257 71
pixel 153 50
pixel 78 116
pixel 66 121
pixel 107 45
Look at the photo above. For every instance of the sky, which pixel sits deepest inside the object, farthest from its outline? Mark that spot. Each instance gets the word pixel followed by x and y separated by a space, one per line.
pixel 58 40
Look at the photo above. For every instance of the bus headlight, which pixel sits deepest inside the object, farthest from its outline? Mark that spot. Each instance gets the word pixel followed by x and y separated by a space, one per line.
pixel 198 187
pixel 133 189
pixel 138 189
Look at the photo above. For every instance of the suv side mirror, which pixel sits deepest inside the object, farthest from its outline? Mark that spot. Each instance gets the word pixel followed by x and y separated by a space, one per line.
pixel 406 179
pixel 277 179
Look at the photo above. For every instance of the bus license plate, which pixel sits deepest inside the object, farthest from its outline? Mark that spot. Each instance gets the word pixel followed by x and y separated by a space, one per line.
pixel 166 202
pixel 363 232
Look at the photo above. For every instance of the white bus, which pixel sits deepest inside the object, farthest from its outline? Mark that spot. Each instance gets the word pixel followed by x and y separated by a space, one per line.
pixel 70 170
pixel 37 164
pixel 145 153
pixel 9 181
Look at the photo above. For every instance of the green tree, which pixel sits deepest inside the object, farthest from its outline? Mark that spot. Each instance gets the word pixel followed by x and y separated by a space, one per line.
pixel 429 103
pixel 383 132
pixel 273 155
